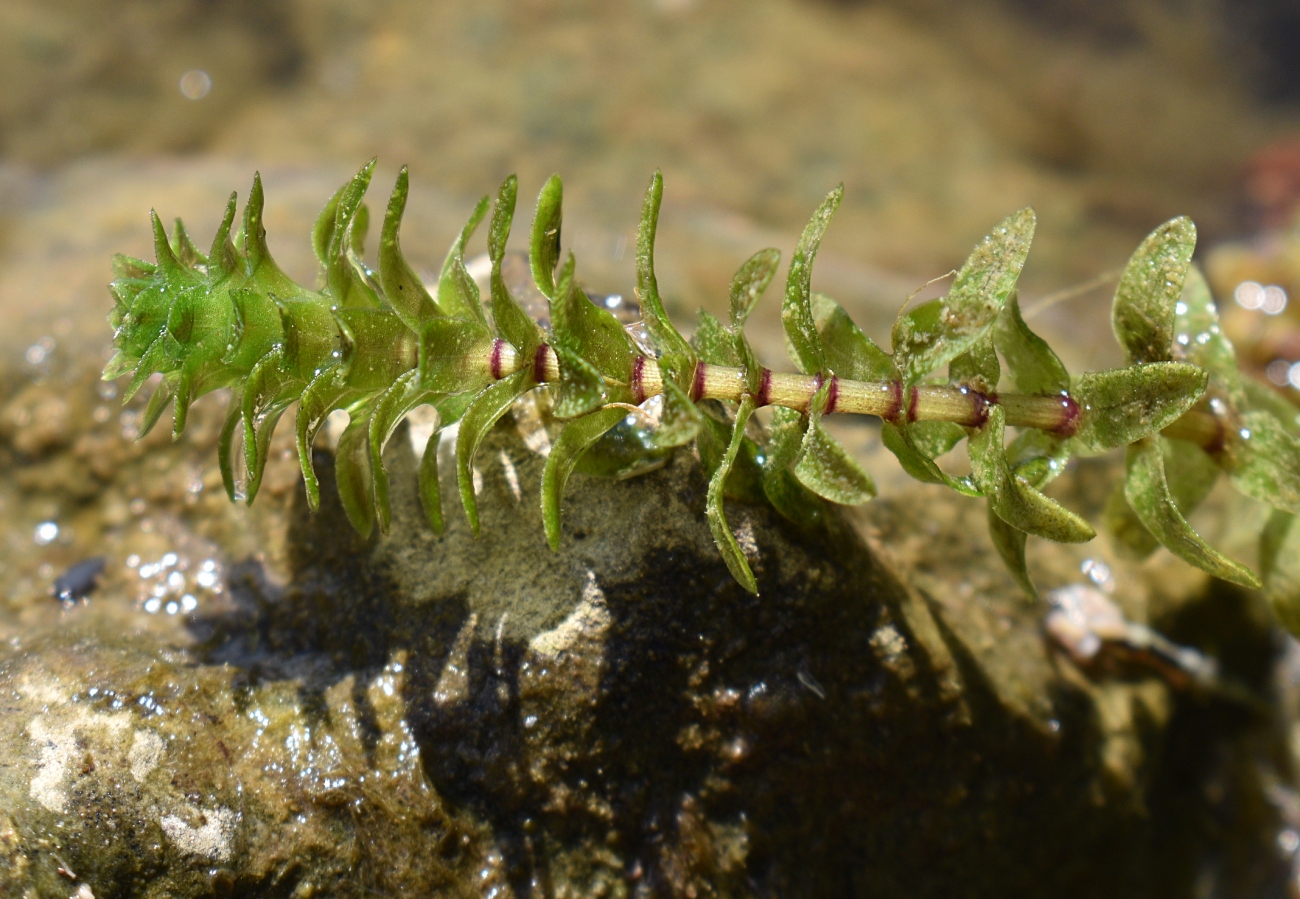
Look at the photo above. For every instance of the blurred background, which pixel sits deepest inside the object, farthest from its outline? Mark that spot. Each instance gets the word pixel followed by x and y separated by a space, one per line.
pixel 941 117
pixel 1108 116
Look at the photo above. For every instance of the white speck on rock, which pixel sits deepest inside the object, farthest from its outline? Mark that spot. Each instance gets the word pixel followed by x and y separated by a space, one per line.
pixel 589 618
pixel 891 648
pixel 210 840
pixel 146 752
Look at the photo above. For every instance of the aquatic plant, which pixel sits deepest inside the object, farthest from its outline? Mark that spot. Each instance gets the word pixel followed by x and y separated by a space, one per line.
pixel 378 344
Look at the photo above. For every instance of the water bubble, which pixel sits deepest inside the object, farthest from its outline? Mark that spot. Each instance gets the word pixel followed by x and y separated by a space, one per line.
pixel 195 84
pixel 1245 433
pixel 152 605
pixel 169 559
pixel 46 532
pixel 1274 300
pixel 1293 375
pixel 132 560
pixel 173 607
pixel 1249 294
pixel 1180 308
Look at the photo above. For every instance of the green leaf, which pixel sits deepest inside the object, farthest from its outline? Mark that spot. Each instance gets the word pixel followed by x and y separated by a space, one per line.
pixel 267 393
pixel 260 269
pixel 512 322
pixel 977 368
pixel 715 344
pixel 325 393
pixel 824 467
pixel 544 249
pixel 1014 501
pixel 722 535
pixel 783 491
pixel 680 422
pixel 493 402
pixel 589 331
pixel 935 333
pixel 1264 398
pixel 430 491
pixel 1279 563
pixel 576 438
pixel 796 311
pixel 184 248
pixel 1034 367
pixel 749 283
pixel 1143 313
pixel 221 257
pixel 1148 494
pixel 899 438
pixel 403 288
pixel 346 286
pixel 1010 544
pixel 1200 341
pixel 1266 462
pixel 849 353
pixel 322 233
pixel 458 295
pixel 158 401
pixel 666 338
pixel 352 472
pixel 581 388
pixel 1126 404
pixel 745 482
pixel 226 442
pixel 1190 474
pixel 452 353
pixel 392 406
pixel 1038 456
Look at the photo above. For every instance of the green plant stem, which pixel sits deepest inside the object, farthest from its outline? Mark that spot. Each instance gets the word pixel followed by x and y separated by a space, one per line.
pixel 888 400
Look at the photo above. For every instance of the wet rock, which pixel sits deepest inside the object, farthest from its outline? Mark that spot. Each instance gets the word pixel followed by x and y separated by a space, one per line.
pixel 136 771
pixel 420 714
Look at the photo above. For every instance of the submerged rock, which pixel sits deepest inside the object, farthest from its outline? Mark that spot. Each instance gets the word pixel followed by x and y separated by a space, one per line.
pixel 443 715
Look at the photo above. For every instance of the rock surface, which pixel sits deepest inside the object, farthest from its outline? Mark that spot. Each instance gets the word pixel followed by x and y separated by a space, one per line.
pixel 424 715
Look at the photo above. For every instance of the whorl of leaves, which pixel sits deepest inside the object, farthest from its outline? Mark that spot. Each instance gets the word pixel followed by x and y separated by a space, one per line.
pixel 378 344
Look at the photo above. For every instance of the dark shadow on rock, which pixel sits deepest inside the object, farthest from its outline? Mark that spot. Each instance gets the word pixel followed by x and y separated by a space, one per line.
pixel 773 745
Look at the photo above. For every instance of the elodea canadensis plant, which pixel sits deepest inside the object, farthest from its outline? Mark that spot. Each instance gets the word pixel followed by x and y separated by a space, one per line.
pixel 376 343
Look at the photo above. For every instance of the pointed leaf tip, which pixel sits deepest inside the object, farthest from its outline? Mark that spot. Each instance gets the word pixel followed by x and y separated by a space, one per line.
pixel 936 332
pixel 1147 492
pixel 1142 316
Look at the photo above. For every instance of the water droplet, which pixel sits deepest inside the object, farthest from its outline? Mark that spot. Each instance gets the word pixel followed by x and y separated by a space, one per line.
pixel 1274 300
pixel 1249 294
pixel 195 84
pixel 1180 308
pixel 46 532
pixel 1245 433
